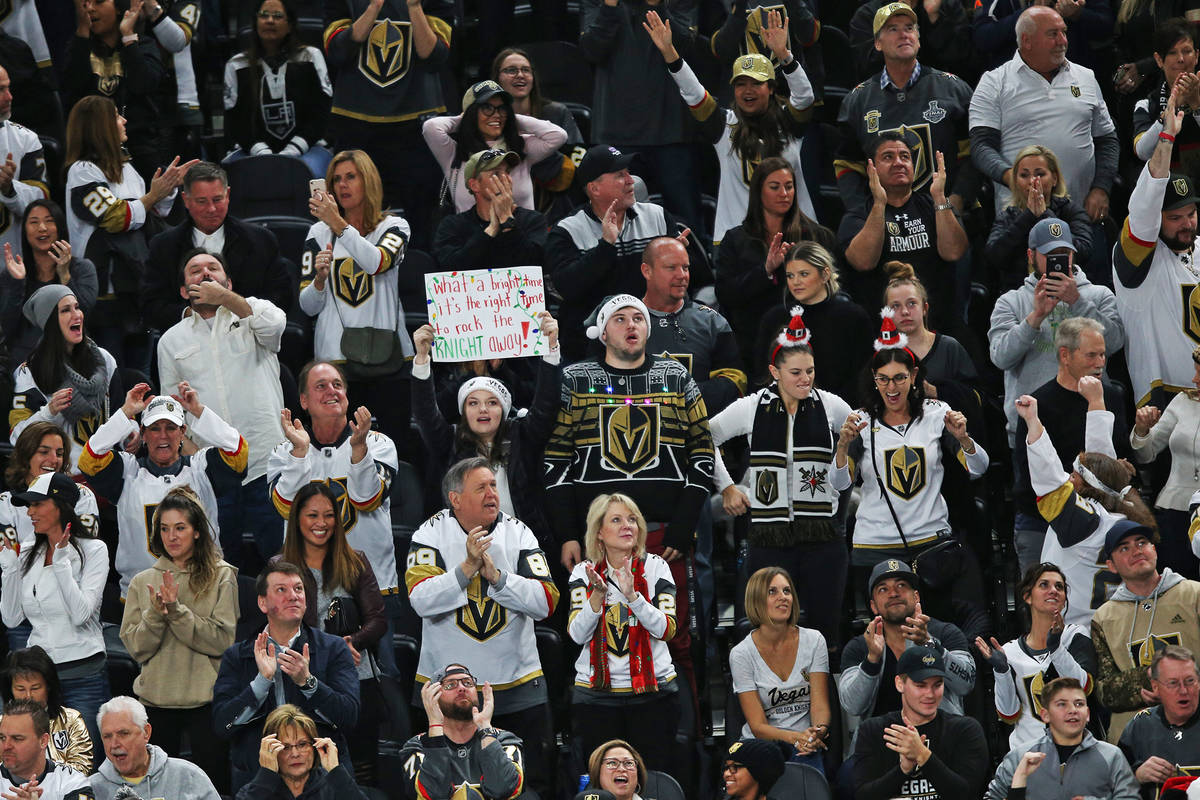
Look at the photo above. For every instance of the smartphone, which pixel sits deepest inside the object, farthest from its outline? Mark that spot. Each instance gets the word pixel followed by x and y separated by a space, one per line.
pixel 1058 264
pixel 316 185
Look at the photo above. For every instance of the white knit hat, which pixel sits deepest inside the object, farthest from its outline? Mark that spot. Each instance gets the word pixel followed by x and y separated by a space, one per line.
pixel 487 384
pixel 612 306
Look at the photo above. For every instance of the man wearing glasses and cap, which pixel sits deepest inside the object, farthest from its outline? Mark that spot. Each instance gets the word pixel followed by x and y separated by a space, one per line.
pixel 495 232
pixel 461 746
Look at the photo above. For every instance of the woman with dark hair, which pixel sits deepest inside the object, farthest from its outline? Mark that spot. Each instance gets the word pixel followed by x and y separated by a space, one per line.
pixel 277 92
pixel 794 521
pixel 780 672
pixel 68 380
pixel 487 427
pixel 841 329
pixel 617 767
pixel 341 597
pixel 910 439
pixel 1050 646
pixel 757 127
pixel 57 583
pixel 1176 56
pixel 180 616
pixel 29 674
pixel 488 122
pixel 747 272
pixel 752 766
pixel 45 258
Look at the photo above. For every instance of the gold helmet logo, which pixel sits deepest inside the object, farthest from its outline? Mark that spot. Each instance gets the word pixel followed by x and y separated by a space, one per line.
pixel 1055 229
pixel 1180 185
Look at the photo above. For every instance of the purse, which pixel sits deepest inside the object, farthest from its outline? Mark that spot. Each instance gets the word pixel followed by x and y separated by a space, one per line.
pixel 370 352
pixel 937 565
pixel 343 617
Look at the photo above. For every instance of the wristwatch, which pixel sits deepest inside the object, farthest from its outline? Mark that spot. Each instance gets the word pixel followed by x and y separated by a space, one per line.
pixel 492 732
pixel 310 684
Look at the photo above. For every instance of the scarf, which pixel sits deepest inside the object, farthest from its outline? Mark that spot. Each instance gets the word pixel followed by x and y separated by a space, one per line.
pixel 641 662
pixel 91 394
pixel 779 519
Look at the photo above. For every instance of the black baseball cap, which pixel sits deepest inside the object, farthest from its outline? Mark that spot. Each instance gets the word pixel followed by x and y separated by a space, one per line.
pixel 51 486
pixel 1122 529
pixel 919 663
pixel 600 160
pixel 1181 191
pixel 891 568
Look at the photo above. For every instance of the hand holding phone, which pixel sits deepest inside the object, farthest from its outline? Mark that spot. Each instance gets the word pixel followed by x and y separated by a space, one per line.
pixel 316 185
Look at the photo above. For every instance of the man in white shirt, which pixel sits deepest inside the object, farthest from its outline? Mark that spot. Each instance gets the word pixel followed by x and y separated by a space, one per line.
pixel 226 347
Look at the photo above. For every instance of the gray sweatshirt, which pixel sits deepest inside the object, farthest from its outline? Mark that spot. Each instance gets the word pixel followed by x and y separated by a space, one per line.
pixel 168 777
pixel 1094 770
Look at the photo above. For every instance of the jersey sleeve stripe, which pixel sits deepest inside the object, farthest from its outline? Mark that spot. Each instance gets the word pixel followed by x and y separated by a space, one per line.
pixel 90 463
pixel 1134 249
pixel 333 29
pixel 441 28
pixel 734 376
pixel 284 507
pixel 421 572
pixel 551 596
pixel 705 108
pixel 18 415
pixel 1011 719
pixel 239 458
pixel 1051 505
pixel 370 505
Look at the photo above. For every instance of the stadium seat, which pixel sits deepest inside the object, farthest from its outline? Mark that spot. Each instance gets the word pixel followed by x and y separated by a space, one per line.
pixel 250 619
pixel 839 67
pixel 270 185
pixel 417 264
pixel 408 503
pixel 661 786
pixel 563 73
pixel 800 782
pixel 290 231
pixel 583 118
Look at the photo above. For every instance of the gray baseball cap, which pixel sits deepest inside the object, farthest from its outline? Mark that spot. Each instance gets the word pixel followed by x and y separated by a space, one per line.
pixel 1050 234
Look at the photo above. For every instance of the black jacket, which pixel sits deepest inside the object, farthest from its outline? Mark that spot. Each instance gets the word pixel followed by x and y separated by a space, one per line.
pixel 957 768
pixel 367 599
pixel 253 263
pixel 321 785
pixel 460 242
pixel 129 75
pixel 1008 242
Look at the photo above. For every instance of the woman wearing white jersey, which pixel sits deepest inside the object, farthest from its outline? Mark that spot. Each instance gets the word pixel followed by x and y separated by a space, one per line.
pixel 794 523
pixel 757 127
pixel 1082 506
pixel 41 449
pixel 900 442
pixel 350 279
pixel 625 685
pixel 1050 649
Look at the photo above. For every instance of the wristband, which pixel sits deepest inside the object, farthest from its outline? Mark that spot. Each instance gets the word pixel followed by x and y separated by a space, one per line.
pixel 943 207
pixel 130 39
pixel 1166 137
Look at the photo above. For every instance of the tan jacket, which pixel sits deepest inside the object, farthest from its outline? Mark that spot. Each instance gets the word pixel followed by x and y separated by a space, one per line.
pixel 179 652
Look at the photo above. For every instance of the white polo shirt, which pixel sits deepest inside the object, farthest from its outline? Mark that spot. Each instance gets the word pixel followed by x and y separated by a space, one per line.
pixel 1064 114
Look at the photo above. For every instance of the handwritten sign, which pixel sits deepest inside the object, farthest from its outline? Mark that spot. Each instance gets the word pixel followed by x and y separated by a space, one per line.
pixel 486 313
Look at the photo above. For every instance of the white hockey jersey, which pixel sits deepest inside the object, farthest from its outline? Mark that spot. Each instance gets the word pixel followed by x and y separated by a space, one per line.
pixel 1019 691
pixel 29 184
pixel 1075 538
pixel 363 491
pixel 909 461
pixel 20 19
pixel 656 615
pixel 363 289
pixel 174 31
pixel 137 485
pixel 29 404
pixel 16 527
pixel 489 627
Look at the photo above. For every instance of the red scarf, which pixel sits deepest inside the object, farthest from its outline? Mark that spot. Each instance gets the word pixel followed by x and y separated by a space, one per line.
pixel 641 662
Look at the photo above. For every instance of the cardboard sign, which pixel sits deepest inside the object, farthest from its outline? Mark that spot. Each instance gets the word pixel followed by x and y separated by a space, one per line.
pixel 486 313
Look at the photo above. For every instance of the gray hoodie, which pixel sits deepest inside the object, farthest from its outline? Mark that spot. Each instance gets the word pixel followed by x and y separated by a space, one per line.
pixel 1094 770
pixel 1027 356
pixel 167 777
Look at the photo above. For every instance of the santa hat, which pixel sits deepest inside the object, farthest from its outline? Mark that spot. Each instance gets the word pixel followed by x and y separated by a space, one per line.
pixel 889 337
pixel 794 334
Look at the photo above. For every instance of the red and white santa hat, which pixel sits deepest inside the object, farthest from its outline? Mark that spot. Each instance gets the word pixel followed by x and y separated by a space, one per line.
pixel 794 333
pixel 889 337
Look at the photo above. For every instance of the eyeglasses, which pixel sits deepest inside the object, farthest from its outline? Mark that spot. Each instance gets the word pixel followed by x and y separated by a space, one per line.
pixel 733 767
pixel 612 763
pixel 517 71
pixel 276 15
pixel 898 380
pixel 1175 685
pixel 489 110
pixel 299 747
pixel 454 683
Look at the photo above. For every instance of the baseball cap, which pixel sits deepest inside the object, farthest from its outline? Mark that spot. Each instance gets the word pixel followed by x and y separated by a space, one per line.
pixel 487 160
pixel 482 92
pixel 162 407
pixel 454 671
pixel 601 160
pixel 891 568
pixel 756 65
pixel 890 10
pixel 919 663
pixel 52 485
pixel 1123 529
pixel 1050 234
pixel 1181 191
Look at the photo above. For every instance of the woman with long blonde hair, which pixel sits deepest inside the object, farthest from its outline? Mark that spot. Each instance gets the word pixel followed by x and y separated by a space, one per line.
pixel 180 616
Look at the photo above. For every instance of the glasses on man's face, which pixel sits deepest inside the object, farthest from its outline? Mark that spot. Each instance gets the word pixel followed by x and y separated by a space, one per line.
pixel 451 684
pixel 489 110
pixel 896 380
pixel 275 15
pixel 514 71
pixel 299 747
pixel 1175 685
pixel 613 763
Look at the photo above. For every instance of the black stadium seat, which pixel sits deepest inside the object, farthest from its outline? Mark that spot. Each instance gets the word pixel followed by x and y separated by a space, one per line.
pixel 800 782
pixel 661 786
pixel 263 186
pixel 563 73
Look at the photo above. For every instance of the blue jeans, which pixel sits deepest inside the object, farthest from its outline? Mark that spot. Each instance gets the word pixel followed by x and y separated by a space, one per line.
pixel 86 695
pixel 249 508
pixel 18 636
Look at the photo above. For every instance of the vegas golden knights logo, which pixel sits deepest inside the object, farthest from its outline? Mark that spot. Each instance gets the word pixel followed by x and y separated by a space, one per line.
pixel 629 436
pixel 766 488
pixel 1075 91
pixel 351 284
pixel 482 617
pixel 893 228
pixel 1142 651
pixel 149 512
pixel 1180 186
pixel 108 72
pixel 345 508
pixel 388 52
pixel 920 139
pixel 85 427
pixel 1034 684
pixel 905 471
pixel 616 624
pixel 1055 229
pixel 748 167
pixel 682 358
pixel 872 120
pixel 1189 295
